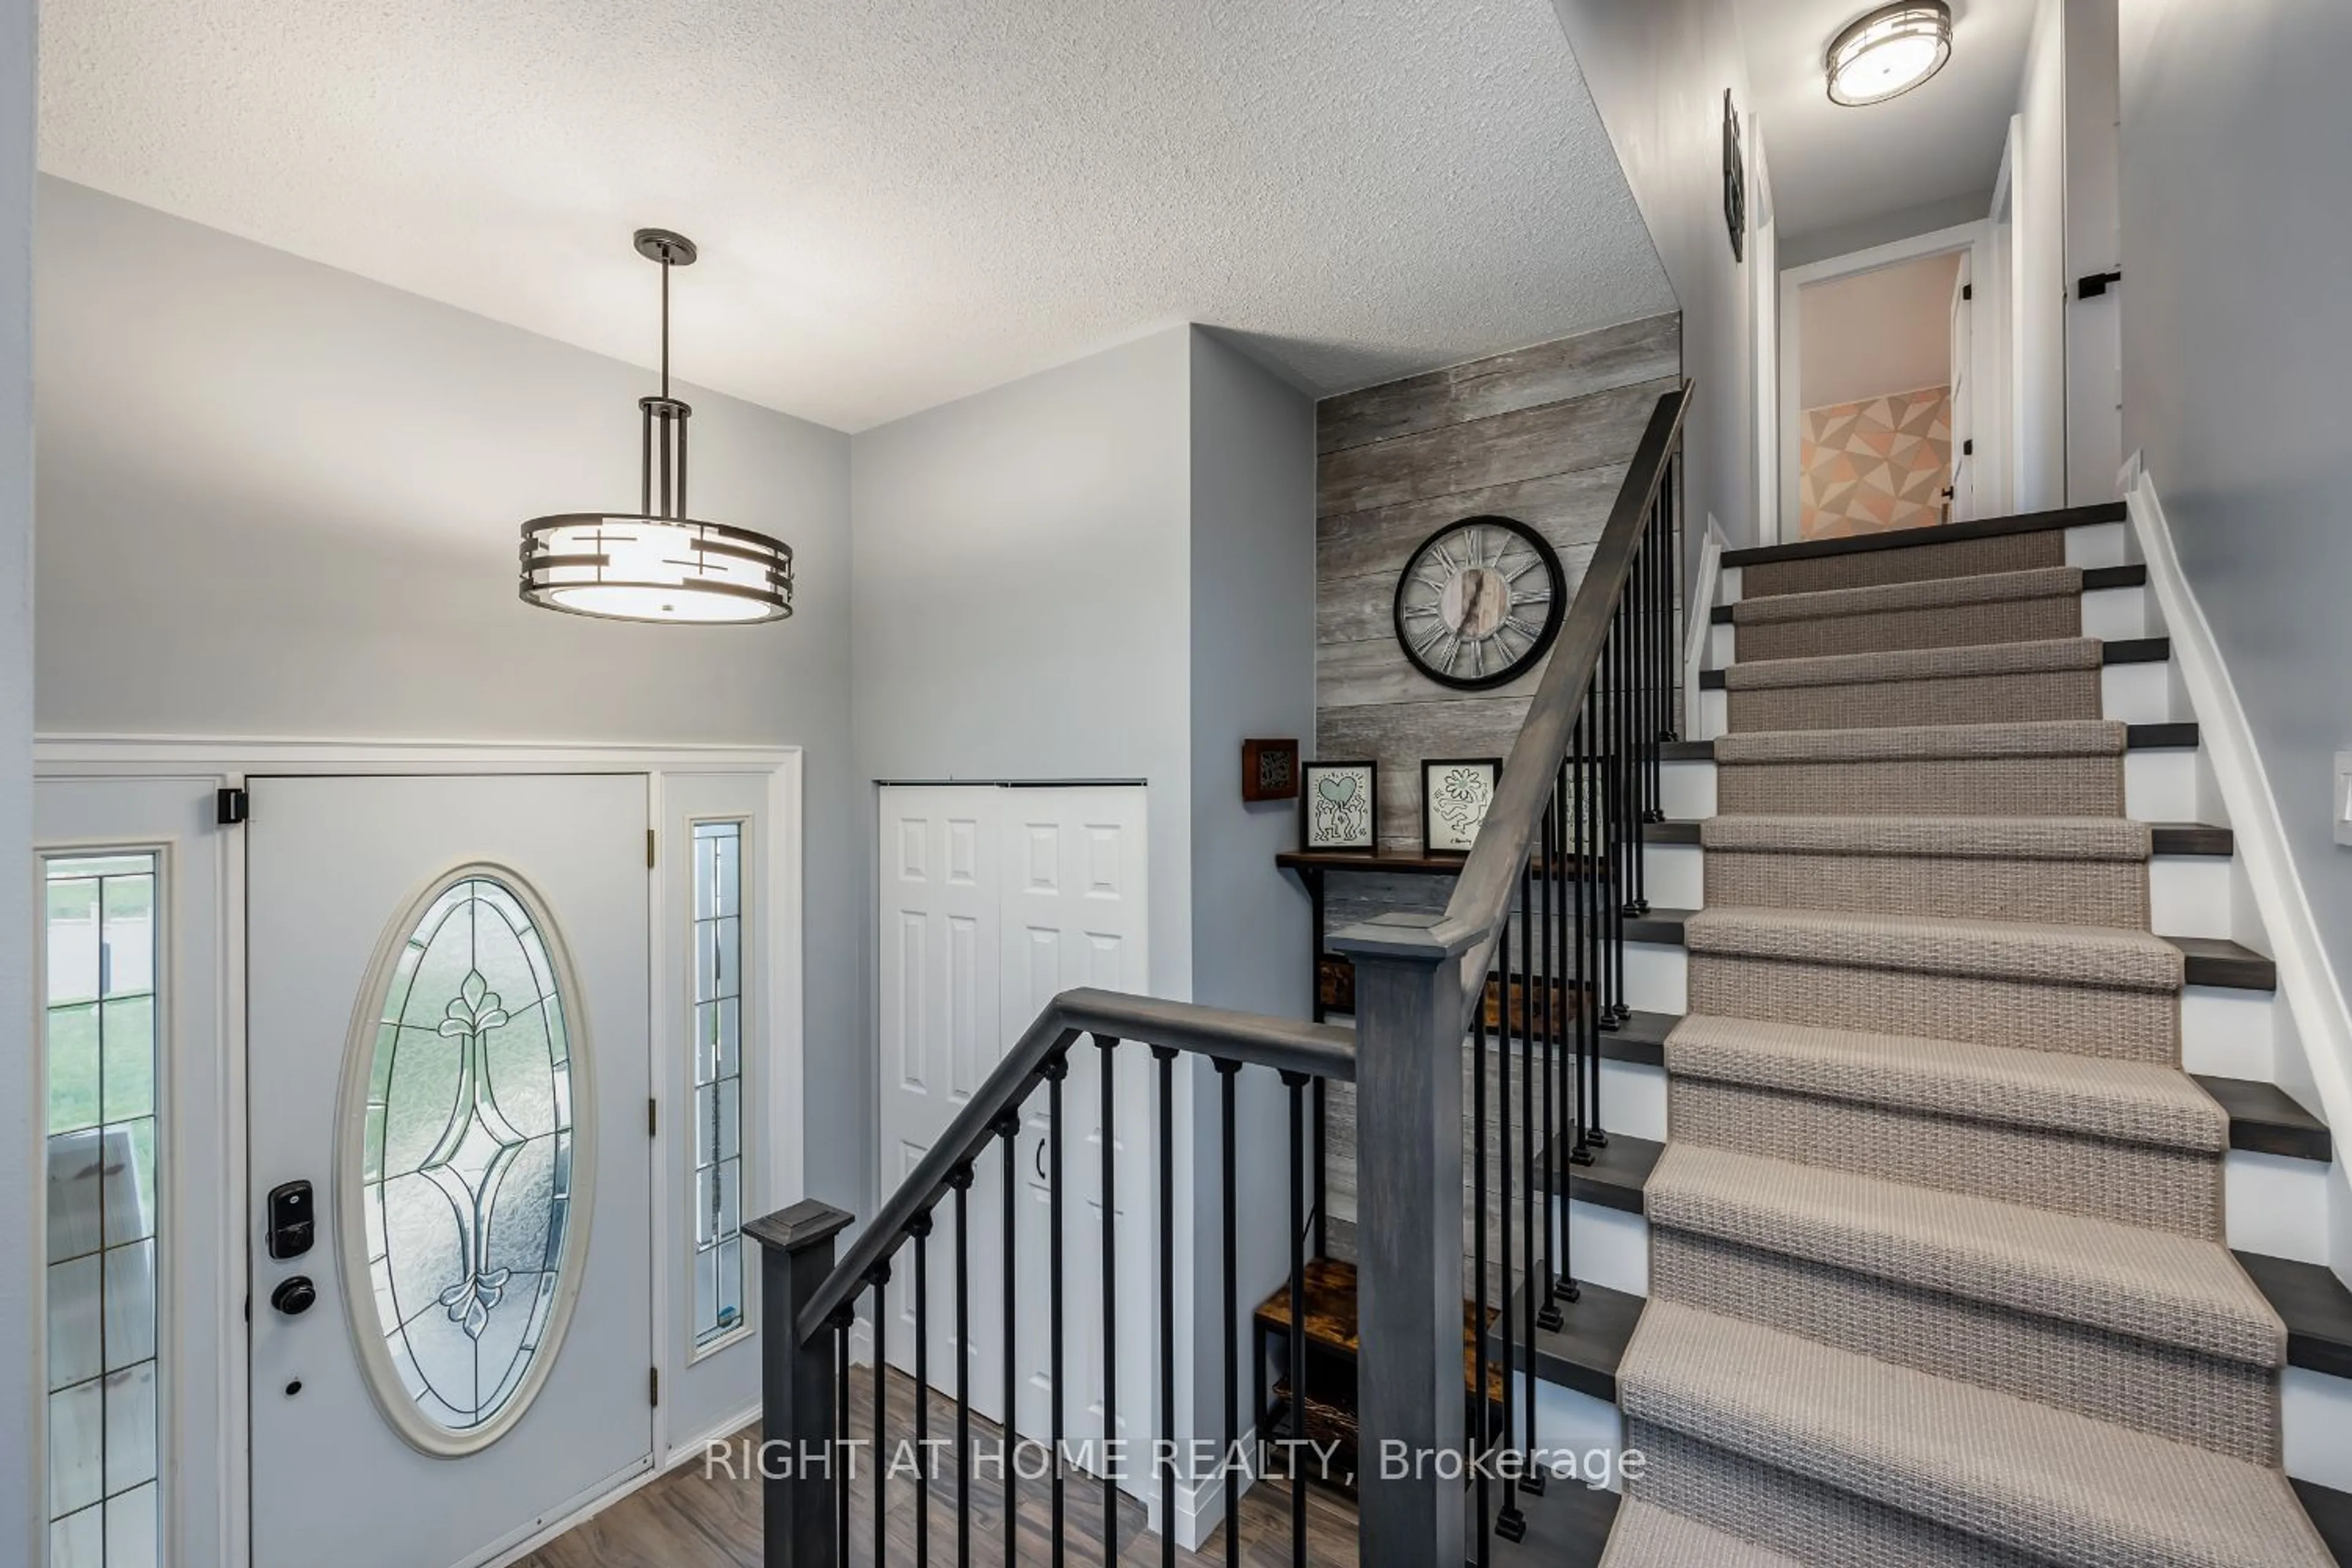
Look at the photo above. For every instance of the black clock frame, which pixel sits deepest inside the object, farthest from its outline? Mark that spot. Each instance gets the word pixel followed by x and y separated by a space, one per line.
pixel 1553 616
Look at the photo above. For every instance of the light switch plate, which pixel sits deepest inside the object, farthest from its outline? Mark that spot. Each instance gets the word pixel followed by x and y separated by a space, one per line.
pixel 2344 798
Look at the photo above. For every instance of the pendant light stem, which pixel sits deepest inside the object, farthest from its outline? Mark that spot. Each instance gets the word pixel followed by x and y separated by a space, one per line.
pixel 665 271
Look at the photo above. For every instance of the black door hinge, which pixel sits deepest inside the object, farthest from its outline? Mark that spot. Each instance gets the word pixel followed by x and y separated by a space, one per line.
pixel 2098 283
pixel 653 1118
pixel 1968 291
pixel 1968 447
pixel 229 806
pixel 650 841
pixel 652 1387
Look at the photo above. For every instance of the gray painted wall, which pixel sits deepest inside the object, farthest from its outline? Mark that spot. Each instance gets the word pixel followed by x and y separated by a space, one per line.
pixel 22 1495
pixel 1658 70
pixel 1020 606
pixel 2235 336
pixel 1252 549
pixel 282 499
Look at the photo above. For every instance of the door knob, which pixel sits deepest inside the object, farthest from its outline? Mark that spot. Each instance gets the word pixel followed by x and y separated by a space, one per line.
pixel 294 1296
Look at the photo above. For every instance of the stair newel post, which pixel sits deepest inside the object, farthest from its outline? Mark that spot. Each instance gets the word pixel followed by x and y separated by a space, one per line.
pixel 800 1459
pixel 1409 1031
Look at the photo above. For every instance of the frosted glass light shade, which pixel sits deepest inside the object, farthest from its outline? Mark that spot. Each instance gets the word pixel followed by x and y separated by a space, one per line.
pixel 630 568
pixel 1889 52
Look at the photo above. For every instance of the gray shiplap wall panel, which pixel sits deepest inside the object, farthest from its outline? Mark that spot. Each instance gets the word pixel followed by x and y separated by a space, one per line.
pixel 1646 349
pixel 1582 433
pixel 1543 435
pixel 1569 509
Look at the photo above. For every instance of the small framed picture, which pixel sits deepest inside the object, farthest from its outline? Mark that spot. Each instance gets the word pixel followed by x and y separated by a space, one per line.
pixel 1454 794
pixel 1269 770
pixel 1339 809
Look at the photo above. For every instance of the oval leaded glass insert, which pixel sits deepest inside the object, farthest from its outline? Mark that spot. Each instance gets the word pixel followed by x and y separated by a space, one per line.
pixel 465 1162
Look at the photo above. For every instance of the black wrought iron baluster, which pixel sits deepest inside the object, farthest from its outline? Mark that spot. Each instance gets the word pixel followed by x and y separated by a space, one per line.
pixel 1109 1045
pixel 1635 720
pixel 1296 1082
pixel 879 1277
pixel 1603 899
pixel 1528 1119
pixel 1321 1112
pixel 1588 979
pixel 1008 1127
pixel 1509 1522
pixel 1554 987
pixel 1557 1161
pixel 1166 1057
pixel 1056 1068
pixel 1482 1422
pixel 842 1321
pixel 1615 813
pixel 959 1181
pixel 919 1228
pixel 1230 1285
pixel 1677 721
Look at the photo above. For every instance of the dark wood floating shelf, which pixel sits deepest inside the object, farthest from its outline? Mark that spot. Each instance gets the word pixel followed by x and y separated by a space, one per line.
pixel 1388 861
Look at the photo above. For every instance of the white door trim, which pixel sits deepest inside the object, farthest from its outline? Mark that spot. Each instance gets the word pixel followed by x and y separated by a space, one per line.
pixel 229 760
pixel 1974 237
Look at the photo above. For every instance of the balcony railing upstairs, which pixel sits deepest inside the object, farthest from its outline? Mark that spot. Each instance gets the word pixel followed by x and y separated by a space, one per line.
pixel 1537 917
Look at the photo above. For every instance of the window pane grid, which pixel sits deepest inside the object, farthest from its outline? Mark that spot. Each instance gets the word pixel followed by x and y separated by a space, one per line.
pixel 101 955
pixel 718 1024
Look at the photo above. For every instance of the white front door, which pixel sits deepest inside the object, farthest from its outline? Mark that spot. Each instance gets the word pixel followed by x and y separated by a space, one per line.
pixel 447 1041
pixel 993 901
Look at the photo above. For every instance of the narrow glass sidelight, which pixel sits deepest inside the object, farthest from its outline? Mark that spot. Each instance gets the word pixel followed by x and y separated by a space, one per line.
pixel 100 949
pixel 719 1002
pixel 465 1162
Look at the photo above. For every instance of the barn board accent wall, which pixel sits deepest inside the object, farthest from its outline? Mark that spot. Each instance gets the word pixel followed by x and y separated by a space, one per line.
pixel 1541 434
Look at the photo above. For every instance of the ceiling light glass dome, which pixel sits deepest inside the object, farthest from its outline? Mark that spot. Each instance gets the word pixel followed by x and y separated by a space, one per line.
pixel 1889 52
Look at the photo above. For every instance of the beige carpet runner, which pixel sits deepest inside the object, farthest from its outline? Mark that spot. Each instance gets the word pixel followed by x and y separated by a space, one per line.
pixel 1938 1272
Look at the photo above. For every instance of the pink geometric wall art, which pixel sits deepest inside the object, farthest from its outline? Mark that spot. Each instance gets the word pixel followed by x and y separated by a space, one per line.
pixel 1880 464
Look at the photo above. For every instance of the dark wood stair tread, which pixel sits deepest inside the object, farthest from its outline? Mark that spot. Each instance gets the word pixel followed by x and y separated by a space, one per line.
pixel 2314 1305
pixel 2174 735
pixel 2330 1511
pixel 2094 579
pixel 1619 1172
pixel 2264 1119
pixel 2214 960
pixel 2170 837
pixel 2124 650
pixel 1567 1527
pixel 1585 1353
pixel 1939 533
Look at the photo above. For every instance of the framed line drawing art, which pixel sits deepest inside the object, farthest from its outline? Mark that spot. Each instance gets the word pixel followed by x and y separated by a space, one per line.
pixel 1454 794
pixel 1339 806
pixel 1269 770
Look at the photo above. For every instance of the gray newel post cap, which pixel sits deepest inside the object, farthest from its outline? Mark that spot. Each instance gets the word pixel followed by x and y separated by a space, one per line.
pixel 1405 938
pixel 796 1230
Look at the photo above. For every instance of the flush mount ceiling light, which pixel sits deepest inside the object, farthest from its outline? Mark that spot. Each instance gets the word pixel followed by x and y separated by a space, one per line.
pixel 656 564
pixel 1889 52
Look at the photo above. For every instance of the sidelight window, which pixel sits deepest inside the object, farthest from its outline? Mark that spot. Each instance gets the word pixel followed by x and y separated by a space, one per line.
pixel 719 1002
pixel 100 960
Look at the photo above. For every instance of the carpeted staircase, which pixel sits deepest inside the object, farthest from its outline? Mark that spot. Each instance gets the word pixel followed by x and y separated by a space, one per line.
pixel 1938 1271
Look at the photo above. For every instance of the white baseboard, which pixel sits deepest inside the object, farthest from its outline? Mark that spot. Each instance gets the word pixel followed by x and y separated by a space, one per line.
pixel 2308 985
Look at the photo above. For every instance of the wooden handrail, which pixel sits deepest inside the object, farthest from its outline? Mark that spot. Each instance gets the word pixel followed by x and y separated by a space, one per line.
pixel 1481 904
pixel 1286 1044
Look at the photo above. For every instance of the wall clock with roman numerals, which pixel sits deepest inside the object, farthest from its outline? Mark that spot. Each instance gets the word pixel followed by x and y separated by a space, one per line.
pixel 1480 603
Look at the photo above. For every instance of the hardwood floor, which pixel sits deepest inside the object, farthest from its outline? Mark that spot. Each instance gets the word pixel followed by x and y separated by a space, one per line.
pixel 693 1518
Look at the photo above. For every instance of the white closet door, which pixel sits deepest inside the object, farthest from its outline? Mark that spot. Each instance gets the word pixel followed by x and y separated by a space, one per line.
pixel 993 901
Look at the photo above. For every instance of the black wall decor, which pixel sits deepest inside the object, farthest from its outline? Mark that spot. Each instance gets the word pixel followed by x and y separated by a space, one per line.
pixel 1735 181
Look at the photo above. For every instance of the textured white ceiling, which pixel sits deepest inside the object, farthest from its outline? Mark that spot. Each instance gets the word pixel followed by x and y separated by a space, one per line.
pixel 898 202
pixel 1831 167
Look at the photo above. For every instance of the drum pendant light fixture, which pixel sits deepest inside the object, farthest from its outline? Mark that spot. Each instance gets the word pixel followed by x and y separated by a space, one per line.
pixel 656 564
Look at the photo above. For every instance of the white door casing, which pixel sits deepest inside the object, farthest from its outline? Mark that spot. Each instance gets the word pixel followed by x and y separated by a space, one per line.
pixel 198 1244
pixel 1963 405
pixel 993 901
pixel 334 866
